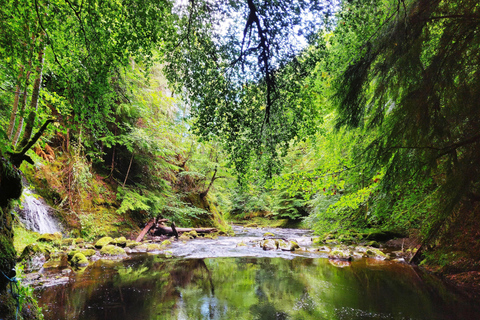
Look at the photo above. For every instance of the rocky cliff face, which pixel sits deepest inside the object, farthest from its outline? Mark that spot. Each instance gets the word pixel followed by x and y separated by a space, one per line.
pixel 10 189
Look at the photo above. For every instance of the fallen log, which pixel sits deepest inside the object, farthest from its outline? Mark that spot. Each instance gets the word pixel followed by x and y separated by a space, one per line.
pixel 142 234
pixel 161 230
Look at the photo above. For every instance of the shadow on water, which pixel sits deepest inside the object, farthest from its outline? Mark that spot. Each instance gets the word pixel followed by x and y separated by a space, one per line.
pixel 155 287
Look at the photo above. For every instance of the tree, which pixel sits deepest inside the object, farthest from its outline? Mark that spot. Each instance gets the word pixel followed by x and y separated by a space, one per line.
pixel 240 79
pixel 415 78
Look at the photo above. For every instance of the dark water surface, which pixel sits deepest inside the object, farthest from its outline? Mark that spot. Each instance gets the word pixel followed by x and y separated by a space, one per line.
pixel 218 279
pixel 154 287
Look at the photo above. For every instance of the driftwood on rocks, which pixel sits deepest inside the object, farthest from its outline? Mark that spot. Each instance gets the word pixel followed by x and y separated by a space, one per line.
pixel 148 226
pixel 164 230
pixel 158 228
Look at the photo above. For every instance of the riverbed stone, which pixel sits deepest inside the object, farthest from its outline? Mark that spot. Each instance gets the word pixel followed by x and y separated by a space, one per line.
pixel 340 254
pixel 71 254
pixel 141 248
pixel 79 260
pixel 288 245
pixel 111 250
pixel 88 252
pixel 120 242
pixel 132 244
pixel 269 244
pixel 375 253
pixel 68 241
pixel 268 234
pixel 191 234
pixel 103 242
pixel 154 247
pixel 50 237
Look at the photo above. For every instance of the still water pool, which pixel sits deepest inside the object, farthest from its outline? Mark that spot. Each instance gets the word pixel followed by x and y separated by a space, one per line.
pixel 148 286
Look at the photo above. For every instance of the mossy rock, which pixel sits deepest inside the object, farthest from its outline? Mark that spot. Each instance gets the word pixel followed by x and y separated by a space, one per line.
pixel 88 252
pixel 30 251
pixel 89 246
pixel 103 242
pixel 210 236
pixel 111 250
pixel 340 254
pixel 269 244
pixel 141 248
pixel 50 237
pixel 120 242
pixel 288 246
pixel 241 244
pixel 68 241
pixel 79 260
pixel 191 234
pixel 166 243
pixel 374 244
pixel 268 234
pixel 71 254
pixel 79 241
pixel 375 253
pixel 154 247
pixel 132 244
pixel 184 237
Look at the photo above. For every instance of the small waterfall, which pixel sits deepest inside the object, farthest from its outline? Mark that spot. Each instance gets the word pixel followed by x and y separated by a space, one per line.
pixel 36 214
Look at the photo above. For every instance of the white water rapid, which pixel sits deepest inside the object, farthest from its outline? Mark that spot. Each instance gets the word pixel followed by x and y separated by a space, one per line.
pixel 36 214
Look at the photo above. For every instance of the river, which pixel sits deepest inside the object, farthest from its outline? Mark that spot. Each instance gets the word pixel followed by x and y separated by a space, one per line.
pixel 220 279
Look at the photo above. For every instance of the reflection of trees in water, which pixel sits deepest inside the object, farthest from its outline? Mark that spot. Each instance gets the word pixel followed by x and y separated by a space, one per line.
pixel 151 287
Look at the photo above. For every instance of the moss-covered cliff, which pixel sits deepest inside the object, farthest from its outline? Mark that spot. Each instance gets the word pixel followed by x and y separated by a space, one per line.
pixel 10 189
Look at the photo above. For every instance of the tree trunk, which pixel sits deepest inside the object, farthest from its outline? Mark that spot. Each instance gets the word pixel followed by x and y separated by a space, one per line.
pixel 149 226
pixel 22 110
pixel 161 229
pixel 13 116
pixel 34 102
pixel 128 171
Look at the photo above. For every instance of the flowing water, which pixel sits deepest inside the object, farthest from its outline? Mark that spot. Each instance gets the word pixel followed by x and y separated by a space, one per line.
pixel 36 215
pixel 220 279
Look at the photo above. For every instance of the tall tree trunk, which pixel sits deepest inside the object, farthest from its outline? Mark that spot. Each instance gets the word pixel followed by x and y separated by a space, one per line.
pixel 128 171
pixel 34 102
pixel 22 109
pixel 13 116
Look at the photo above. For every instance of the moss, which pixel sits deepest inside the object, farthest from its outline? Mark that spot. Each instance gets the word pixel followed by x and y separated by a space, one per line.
pixel 268 234
pixel 166 243
pixel 30 251
pixel 153 247
pixel 120 242
pixel 79 241
pixel 50 237
pixel 68 241
pixel 375 253
pixel 191 234
pixel 111 250
pixel 79 260
pixel 103 242
pixel 88 252
pixel 133 244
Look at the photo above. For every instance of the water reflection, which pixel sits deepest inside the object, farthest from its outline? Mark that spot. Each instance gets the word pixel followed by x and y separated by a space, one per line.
pixel 153 287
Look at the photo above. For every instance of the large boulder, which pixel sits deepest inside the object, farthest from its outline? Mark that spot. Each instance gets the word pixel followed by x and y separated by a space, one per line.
pixel 111 250
pixel 288 245
pixel 50 237
pixel 33 257
pixel 79 260
pixel 103 242
pixel 340 254
pixel 120 242
pixel 269 244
